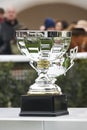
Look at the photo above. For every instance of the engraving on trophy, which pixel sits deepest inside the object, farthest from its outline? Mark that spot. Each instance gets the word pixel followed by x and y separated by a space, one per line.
pixel 43 64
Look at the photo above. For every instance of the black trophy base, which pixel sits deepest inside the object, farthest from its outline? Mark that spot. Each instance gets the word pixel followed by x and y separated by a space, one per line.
pixel 43 105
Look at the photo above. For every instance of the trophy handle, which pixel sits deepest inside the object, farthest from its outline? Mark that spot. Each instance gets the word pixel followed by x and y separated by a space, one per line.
pixel 73 52
pixel 31 63
pixel 72 56
pixel 69 67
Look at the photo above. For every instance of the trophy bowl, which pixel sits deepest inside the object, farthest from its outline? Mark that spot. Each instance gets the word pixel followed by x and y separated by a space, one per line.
pixel 48 55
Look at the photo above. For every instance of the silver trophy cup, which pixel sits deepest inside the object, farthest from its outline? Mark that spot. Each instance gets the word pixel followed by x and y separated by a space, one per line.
pixel 48 55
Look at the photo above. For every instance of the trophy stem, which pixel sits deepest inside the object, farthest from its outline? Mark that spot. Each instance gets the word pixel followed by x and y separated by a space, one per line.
pixel 44 85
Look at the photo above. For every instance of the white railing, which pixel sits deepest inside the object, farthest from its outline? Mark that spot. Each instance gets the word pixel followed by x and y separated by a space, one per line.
pixel 21 58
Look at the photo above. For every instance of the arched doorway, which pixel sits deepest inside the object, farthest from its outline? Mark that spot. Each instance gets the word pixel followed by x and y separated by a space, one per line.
pixel 33 17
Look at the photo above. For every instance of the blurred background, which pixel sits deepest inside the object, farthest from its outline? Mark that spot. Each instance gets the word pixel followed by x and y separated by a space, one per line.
pixel 16 75
pixel 33 12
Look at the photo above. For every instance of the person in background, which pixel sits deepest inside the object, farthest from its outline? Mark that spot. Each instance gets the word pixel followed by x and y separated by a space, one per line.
pixel 78 39
pixel 49 24
pixel 42 28
pixel 7 32
pixel 72 26
pixel 82 24
pixel 61 25
pixel 2 12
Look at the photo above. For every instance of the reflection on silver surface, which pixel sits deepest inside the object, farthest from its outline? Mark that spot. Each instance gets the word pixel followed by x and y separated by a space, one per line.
pixel 47 52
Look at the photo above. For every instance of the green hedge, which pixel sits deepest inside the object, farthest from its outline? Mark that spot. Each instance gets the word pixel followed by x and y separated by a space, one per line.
pixel 10 88
pixel 74 84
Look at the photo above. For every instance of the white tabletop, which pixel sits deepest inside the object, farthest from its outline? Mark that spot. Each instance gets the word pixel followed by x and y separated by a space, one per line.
pixel 12 114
